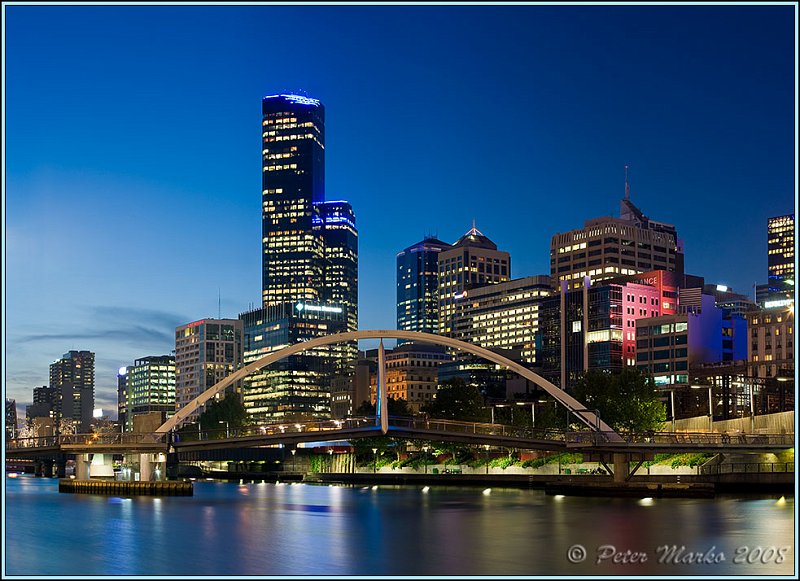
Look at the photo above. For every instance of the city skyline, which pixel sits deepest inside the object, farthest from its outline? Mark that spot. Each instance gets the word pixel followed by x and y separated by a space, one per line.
pixel 134 202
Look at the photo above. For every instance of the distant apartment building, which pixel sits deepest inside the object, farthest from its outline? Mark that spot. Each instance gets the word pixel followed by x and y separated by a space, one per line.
pixel 72 377
pixel 418 286
pixel 771 345
pixel 608 247
pixel 503 317
pixel 206 352
pixel 149 387
pixel 412 373
pixel 472 262
pixel 11 418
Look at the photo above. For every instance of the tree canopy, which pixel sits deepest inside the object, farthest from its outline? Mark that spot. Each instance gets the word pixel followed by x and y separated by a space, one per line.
pixel 627 400
pixel 455 400
pixel 397 407
pixel 217 412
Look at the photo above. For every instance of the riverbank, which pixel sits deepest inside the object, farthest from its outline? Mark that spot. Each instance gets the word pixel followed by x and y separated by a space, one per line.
pixel 687 486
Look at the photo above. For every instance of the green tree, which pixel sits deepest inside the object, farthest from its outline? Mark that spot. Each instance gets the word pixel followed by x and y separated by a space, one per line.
pixel 397 407
pixel 218 412
pixel 627 401
pixel 455 400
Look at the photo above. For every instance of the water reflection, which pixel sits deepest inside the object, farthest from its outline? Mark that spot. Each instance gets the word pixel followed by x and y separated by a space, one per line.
pixel 258 529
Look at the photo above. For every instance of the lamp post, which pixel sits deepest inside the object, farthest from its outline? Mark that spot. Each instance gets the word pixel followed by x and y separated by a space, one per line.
pixel 374 460
pixel 227 428
pixel 533 413
pixel 425 459
pixel 486 447
pixel 294 451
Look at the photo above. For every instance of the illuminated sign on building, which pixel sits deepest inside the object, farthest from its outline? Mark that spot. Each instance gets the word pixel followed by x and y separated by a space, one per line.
pixel 301 307
pixel 778 304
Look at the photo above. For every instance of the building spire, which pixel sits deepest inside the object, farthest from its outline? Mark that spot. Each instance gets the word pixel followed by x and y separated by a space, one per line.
pixel 627 185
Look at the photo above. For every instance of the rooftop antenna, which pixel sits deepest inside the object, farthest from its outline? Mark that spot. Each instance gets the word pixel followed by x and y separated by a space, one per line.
pixel 627 185
pixel 219 303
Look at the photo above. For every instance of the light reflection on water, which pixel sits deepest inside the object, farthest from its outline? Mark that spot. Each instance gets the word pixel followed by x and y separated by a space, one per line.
pixel 264 529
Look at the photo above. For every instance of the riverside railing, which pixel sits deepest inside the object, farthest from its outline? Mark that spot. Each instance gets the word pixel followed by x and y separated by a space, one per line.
pixel 747 468
pixel 682 438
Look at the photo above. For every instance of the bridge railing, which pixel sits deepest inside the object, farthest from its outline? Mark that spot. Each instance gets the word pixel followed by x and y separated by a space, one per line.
pixel 747 468
pixel 94 439
pixel 682 438
pixel 478 428
pixel 295 427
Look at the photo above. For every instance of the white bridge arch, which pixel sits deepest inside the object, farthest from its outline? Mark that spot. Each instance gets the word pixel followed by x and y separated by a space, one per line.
pixel 577 408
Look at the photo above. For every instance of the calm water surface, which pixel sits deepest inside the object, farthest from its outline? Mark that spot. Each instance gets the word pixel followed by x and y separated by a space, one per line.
pixel 300 529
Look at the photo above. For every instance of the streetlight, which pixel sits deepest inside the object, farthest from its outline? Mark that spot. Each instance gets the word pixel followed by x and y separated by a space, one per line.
pixel 486 447
pixel 227 428
pixel 294 451
pixel 425 459
pixel 374 460
pixel 711 407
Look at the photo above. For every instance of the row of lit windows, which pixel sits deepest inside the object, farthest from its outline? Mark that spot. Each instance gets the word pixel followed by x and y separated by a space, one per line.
pixel 280 167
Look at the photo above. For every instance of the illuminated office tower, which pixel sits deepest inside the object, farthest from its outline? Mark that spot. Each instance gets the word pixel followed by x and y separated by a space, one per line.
pixel 472 262
pixel 72 377
pixel 418 286
pixel 608 247
pixel 293 181
pixel 503 317
pixel 336 225
pixel 780 258
pixel 150 387
pixel 206 352
pixel 309 267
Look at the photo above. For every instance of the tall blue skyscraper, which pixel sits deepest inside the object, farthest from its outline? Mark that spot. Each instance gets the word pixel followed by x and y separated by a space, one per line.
pixel 417 286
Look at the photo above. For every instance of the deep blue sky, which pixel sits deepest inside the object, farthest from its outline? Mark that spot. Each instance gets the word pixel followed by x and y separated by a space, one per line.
pixel 132 134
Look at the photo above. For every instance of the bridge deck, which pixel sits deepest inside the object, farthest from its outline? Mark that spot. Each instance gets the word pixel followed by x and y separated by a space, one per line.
pixel 352 429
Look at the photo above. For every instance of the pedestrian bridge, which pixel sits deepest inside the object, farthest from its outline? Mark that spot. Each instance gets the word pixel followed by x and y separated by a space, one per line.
pixel 412 428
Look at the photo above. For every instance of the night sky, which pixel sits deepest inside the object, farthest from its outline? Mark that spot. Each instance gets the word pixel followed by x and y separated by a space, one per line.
pixel 132 135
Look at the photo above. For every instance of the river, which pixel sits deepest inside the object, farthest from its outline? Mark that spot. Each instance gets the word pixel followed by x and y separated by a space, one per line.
pixel 229 529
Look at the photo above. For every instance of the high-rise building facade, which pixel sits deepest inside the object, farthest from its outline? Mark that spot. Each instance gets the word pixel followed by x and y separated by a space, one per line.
pixel 150 387
pixel 122 398
pixel 206 351
pixel 309 267
pixel 594 327
pixel 336 225
pixel 297 387
pixel 771 349
pixel 472 262
pixel 11 418
pixel 609 247
pixel 503 316
pixel 73 378
pixel 293 182
pixel 780 257
pixel 418 286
